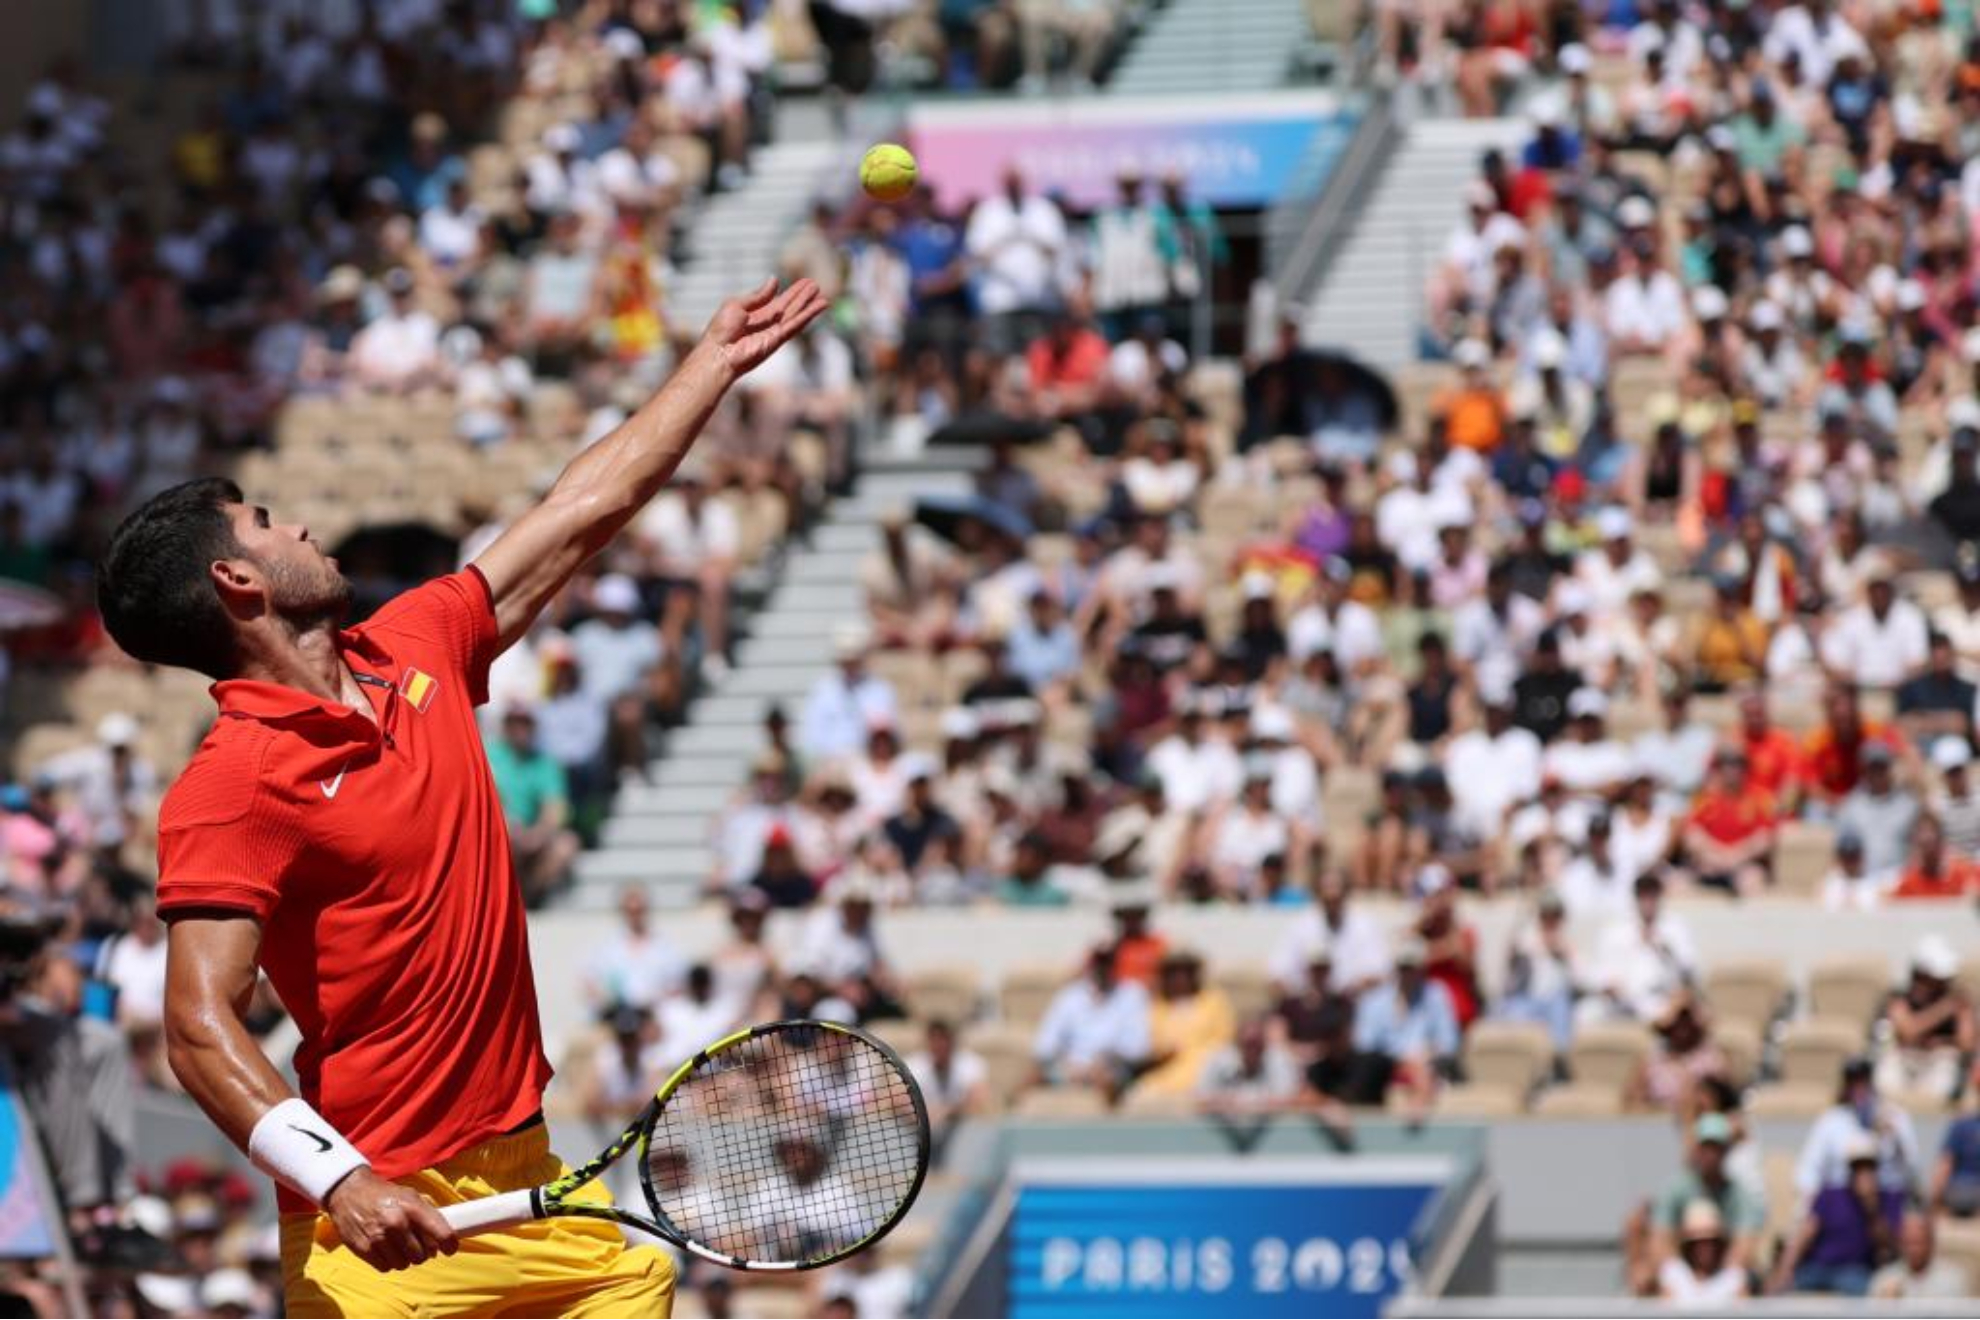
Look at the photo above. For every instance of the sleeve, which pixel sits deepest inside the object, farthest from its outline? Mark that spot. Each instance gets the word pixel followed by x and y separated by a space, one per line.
pixel 452 616
pixel 214 850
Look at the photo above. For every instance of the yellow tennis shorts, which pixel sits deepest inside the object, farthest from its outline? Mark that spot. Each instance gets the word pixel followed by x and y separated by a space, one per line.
pixel 560 1267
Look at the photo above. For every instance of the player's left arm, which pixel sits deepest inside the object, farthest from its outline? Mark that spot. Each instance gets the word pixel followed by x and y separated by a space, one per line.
pixel 609 482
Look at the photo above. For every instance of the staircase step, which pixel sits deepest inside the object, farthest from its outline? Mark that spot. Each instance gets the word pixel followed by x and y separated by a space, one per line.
pixel 630 832
pixel 651 799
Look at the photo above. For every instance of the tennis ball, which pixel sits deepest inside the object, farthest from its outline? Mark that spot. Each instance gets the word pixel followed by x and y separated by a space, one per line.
pixel 887 172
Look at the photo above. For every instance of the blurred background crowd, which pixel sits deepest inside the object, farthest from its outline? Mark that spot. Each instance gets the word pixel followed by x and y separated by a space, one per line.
pixel 1654 581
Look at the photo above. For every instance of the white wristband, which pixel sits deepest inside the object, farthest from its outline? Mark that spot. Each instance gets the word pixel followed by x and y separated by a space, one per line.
pixel 293 1145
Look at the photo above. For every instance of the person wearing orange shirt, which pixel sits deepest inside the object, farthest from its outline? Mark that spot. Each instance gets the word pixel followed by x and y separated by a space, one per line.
pixel 1067 366
pixel 1729 836
pixel 1832 756
pixel 1773 755
pixel 1931 871
pixel 1474 409
pixel 1138 951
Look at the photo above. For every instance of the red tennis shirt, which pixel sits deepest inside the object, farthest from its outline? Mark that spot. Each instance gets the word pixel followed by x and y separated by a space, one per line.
pixel 376 858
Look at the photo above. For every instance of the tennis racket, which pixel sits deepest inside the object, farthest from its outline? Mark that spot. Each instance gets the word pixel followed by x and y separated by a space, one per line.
pixel 783 1147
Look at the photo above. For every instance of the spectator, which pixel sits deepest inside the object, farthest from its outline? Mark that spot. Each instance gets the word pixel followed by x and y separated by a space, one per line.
pixel 1407 1030
pixel 1859 1113
pixel 1643 959
pixel 1850 1230
pixel 1880 811
pixel 536 803
pixel 954 1079
pixel 1544 975
pixel 1188 1023
pixel 1930 871
pixel 1704 1179
pixel 1957 802
pixel 399 349
pixel 639 967
pixel 113 783
pixel 1850 885
pixel 1130 279
pixel 1938 704
pixel 1017 244
pixel 618 651
pixel 1955 1188
pixel 1701 1274
pixel 1356 944
pixel 1042 648
pixel 1917 1273
pixel 781 878
pixel 1095 1032
pixel 693 542
pixel 845 705
pixel 1834 756
pixel 1254 1074
pixel 1684 1056
pixel 1881 642
pixel 1931 1027
pixel 1729 837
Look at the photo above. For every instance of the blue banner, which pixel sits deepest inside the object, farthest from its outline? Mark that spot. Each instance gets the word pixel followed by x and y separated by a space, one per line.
pixel 1181 1248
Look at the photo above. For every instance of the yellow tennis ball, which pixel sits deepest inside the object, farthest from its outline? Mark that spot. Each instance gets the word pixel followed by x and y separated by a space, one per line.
pixel 887 172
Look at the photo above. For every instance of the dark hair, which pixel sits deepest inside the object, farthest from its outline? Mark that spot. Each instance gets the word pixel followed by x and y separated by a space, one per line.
pixel 152 585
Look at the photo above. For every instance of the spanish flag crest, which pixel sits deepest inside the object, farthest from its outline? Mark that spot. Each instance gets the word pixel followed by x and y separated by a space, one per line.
pixel 418 688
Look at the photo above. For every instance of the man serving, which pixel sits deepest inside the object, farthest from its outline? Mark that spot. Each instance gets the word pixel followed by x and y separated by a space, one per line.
pixel 339 828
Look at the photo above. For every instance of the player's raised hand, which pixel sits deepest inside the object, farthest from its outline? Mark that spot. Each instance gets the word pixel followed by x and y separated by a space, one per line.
pixel 390 1227
pixel 747 329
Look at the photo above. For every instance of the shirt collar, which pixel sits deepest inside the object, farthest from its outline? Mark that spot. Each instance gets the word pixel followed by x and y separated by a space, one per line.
pixel 253 699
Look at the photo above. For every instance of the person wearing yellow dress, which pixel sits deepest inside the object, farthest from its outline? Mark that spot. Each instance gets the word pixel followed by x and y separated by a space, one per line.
pixel 1187 1024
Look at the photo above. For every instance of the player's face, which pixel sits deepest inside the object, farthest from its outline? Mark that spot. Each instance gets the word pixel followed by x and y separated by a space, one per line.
pixel 302 580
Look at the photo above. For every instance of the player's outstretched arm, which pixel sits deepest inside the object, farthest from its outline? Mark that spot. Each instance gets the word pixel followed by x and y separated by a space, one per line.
pixel 209 978
pixel 605 485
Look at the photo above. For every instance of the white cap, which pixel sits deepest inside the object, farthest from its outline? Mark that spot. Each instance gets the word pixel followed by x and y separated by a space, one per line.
pixel 1572 598
pixel 1549 348
pixel 918 765
pixel 1614 523
pixel 1708 302
pixel 229 1288
pixel 116 730
pixel 960 723
pixel 1860 1145
pixel 1964 411
pixel 1701 1222
pixel 1587 701
pixel 1795 242
pixel 1636 212
pixel 1720 138
pixel 1161 576
pixel 616 594
pixel 1495 687
pixel 1546 111
pixel 1575 59
pixel 624 44
pixel 562 137
pixel 1257 586
pixel 1471 353
pixel 1764 315
pixel 1951 753
pixel 849 640
pixel 856 884
pixel 1934 956
pixel 1270 723
pixel 1433 878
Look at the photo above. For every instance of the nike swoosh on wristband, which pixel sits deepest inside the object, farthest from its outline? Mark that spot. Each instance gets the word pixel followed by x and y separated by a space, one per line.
pixel 322 1143
pixel 330 786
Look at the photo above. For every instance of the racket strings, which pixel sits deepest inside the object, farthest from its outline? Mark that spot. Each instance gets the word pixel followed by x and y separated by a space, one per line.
pixel 795 1145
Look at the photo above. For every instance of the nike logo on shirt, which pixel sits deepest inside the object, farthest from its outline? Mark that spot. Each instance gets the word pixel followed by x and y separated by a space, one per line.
pixel 330 786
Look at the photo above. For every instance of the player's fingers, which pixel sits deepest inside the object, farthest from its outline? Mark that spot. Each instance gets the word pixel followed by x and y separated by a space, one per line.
pixel 770 312
pixel 435 1233
pixel 756 297
pixel 407 1240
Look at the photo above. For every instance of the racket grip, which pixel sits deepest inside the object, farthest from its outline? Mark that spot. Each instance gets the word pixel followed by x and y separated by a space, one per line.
pixel 503 1210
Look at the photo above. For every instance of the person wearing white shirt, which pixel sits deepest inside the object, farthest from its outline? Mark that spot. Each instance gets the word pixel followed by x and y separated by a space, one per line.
pixel 400 348
pixel 1467 274
pixel 955 1080
pixel 1335 623
pixel 696 1016
pixel 845 704
pixel 1643 958
pixel 1016 243
pixel 1879 643
pixel 1644 310
pixel 451 232
pixel 1357 947
pixel 1699 1276
pixel 1493 767
pixel 1588 761
pixel 1859 1112
pixel 136 967
pixel 1197 771
pixel 1850 886
pixel 638 966
pixel 1617 570
pixel 1816 36
pixel 1095 1032
pixel 1596 883
pixel 1295 793
pixel 1494 633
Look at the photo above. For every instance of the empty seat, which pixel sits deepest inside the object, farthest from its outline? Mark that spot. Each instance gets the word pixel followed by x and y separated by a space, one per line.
pixel 1511 1055
pixel 1812 1052
pixel 1608 1053
pixel 1746 990
pixel 945 993
pixel 1143 1103
pixel 1803 854
pixel 1849 990
pixel 906 1037
pixel 1061 1102
pixel 1006 1054
pixel 1789 1100
pixel 1580 1100
pixel 1249 989
pixel 1740 1042
pixel 1348 795
pixel 1027 991
pixel 1480 1100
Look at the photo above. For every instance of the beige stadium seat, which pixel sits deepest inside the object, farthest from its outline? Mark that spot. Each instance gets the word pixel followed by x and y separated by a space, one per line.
pixel 1027 991
pixel 959 670
pixel 1849 990
pixel 906 1036
pixel 1741 1043
pixel 1608 1054
pixel 1803 854
pixel 1959 1241
pixel 1061 1102
pixel 945 994
pixel 1348 794
pixel 912 674
pixel 1789 1100
pixel 1141 1103
pixel 1580 1100
pixel 1717 711
pixel 1480 1100
pixel 770 1302
pixel 920 729
pixel 1511 1055
pixel 1249 989
pixel 1777 1183
pixel 40 742
pixel 1749 990
pixel 1878 706
pixel 1006 1054
pixel 1812 1052
pixel 1071 725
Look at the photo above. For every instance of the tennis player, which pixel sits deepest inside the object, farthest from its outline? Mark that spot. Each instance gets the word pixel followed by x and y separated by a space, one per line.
pixel 339 829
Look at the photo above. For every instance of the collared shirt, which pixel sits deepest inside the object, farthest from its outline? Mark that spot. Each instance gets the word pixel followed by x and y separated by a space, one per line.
pixel 372 851
pixel 1084 1026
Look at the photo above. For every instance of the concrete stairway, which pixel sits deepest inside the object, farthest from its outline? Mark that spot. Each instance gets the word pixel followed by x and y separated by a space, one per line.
pixel 738 234
pixel 1197 46
pixel 658 832
pixel 1371 297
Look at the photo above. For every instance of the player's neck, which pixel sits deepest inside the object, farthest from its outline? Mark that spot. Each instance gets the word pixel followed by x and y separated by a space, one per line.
pixel 301 656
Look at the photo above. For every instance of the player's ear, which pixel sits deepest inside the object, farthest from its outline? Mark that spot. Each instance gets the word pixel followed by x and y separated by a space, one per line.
pixel 239 584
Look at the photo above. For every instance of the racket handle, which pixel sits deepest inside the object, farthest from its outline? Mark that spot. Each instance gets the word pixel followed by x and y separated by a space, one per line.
pixel 503 1210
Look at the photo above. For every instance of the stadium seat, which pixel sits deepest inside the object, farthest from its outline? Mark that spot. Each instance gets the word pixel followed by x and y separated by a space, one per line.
pixel 1027 991
pixel 1803 853
pixel 1513 1056
pixel 43 741
pixel 1480 1100
pixel 1741 1042
pixel 1748 990
pixel 912 674
pixel 1812 1052
pixel 1580 1100
pixel 1608 1053
pixel 770 1302
pixel 1717 712
pixel 1006 1054
pixel 1790 1099
pixel 959 670
pixel 1348 794
pixel 1142 1103
pixel 1249 988
pixel 1849 990
pixel 906 1036
pixel 947 993
pixel 1959 1241
pixel 1061 1102
pixel 1777 1183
